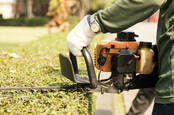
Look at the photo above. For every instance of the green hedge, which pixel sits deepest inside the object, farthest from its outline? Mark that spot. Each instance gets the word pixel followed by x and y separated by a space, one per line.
pixel 24 21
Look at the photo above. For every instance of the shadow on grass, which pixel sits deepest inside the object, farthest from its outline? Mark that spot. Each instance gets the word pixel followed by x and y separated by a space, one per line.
pixel 72 87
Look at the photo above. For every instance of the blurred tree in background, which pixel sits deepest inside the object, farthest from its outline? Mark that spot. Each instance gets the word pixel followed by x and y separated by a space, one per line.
pixel 31 8
pixel 61 10
pixel 23 12
pixel 58 15
pixel 57 11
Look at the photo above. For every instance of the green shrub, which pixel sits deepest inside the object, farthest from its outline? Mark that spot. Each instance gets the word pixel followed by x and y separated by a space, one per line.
pixel 24 21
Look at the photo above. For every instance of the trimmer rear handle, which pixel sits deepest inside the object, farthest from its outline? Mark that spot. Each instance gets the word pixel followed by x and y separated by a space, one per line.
pixel 89 65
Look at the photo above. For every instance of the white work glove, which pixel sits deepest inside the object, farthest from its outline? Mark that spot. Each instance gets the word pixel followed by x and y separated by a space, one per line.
pixel 81 36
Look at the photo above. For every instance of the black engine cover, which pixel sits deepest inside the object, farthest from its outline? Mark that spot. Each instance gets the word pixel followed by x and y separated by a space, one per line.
pixel 123 62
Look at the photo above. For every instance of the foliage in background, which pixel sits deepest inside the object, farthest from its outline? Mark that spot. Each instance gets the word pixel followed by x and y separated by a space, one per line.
pixel 31 8
pixel 113 1
pixel 58 15
pixel 61 10
pixel 96 5
pixel 40 7
pixel 24 21
pixel 53 4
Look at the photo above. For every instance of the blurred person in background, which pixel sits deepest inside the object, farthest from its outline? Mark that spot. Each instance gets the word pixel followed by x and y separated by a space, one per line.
pixel 122 15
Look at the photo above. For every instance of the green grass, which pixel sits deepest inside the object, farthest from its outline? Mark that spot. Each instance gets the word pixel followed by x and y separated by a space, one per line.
pixel 38 65
pixel 13 34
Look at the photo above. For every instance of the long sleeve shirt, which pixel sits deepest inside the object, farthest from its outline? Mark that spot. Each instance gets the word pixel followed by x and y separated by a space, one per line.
pixel 125 13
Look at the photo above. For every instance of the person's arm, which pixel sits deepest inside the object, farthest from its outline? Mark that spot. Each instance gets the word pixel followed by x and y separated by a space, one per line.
pixel 119 16
pixel 125 13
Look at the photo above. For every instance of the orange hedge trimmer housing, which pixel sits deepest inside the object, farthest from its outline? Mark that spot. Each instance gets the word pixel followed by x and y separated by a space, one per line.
pixel 132 65
pixel 109 48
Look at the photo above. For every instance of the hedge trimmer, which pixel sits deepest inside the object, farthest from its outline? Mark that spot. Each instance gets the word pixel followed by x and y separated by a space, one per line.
pixel 132 65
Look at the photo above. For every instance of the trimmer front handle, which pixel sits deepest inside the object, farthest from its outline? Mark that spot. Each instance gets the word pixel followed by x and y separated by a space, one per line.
pixel 69 69
pixel 89 65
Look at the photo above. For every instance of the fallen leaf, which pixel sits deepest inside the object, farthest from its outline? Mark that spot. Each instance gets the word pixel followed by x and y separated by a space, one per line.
pixel 12 71
pixel 14 55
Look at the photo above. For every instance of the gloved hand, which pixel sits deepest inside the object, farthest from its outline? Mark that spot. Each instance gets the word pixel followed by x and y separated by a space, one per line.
pixel 81 36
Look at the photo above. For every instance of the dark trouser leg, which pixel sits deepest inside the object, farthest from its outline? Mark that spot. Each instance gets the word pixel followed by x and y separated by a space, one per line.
pixel 163 109
pixel 142 101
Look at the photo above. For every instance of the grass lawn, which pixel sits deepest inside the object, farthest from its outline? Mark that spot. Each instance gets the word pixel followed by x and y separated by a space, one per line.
pixel 21 34
pixel 37 65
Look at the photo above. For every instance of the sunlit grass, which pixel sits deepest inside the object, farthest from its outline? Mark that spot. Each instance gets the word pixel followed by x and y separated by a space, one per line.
pixel 38 65
pixel 21 34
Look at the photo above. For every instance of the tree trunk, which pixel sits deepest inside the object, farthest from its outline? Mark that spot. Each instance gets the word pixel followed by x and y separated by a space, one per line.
pixel 29 8
pixel 19 8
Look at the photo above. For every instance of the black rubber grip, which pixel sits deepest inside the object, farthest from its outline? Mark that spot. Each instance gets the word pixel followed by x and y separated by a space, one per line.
pixel 74 63
pixel 89 65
